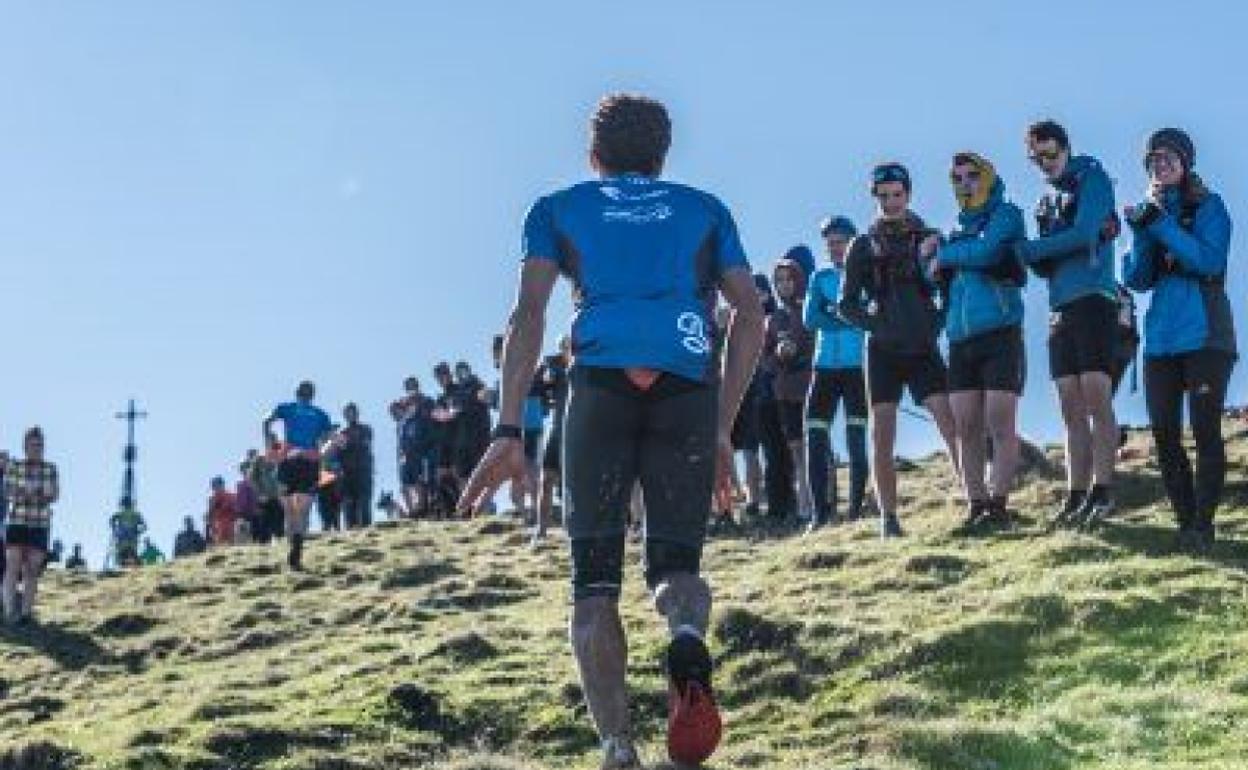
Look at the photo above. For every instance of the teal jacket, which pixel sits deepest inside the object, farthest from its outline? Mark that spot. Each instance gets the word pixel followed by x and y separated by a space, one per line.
pixel 1184 268
pixel 838 345
pixel 1073 251
pixel 978 302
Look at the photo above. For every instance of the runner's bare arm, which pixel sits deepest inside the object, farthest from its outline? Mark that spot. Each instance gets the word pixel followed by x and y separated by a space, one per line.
pixel 743 343
pixel 266 429
pixel 522 346
pixel 504 460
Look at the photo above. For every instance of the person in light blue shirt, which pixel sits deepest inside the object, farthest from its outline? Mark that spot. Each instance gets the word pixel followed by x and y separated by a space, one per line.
pixel 838 379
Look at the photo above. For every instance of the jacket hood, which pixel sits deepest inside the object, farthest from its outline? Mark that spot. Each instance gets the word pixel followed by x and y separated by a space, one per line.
pixel 988 183
pixel 1077 166
pixel 799 275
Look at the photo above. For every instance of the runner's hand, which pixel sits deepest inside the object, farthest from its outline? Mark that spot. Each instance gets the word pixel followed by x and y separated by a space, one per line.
pixel 503 461
pixel 722 495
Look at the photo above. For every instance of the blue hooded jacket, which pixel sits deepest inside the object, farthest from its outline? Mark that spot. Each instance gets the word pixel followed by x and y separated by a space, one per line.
pixel 838 345
pixel 1082 264
pixel 1189 309
pixel 979 303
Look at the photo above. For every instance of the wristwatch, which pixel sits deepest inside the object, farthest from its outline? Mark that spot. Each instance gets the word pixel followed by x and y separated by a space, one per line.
pixel 506 431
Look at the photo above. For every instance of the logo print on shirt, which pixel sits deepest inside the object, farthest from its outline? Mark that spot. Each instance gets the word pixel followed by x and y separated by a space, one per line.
pixel 638 207
pixel 695 338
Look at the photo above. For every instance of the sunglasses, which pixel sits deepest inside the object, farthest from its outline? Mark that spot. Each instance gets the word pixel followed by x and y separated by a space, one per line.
pixel 1039 157
pixel 967 178
pixel 1161 158
pixel 888 174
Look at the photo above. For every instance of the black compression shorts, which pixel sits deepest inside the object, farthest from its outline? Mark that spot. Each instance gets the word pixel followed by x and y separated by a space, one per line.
pixel 299 475
pixel 617 435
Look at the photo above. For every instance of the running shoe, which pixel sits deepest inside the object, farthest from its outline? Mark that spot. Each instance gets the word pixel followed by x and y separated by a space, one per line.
pixel 694 726
pixel 1095 509
pixel 889 526
pixel 1069 512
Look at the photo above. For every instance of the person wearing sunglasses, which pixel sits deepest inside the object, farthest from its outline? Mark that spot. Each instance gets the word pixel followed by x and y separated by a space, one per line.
pixel 838 379
pixel 888 293
pixel 1074 253
pixel 984 325
pixel 1181 234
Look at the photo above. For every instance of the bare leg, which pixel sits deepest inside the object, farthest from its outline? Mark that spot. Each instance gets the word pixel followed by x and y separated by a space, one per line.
pixel 753 477
pixel 1098 399
pixel 938 406
pixel 1078 434
pixel 968 413
pixel 883 437
pixel 1002 414
pixel 30 580
pixel 805 504
pixel 13 558
pixel 601 652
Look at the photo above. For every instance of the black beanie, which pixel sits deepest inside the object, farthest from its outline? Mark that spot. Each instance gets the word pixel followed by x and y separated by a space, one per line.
pixel 1177 141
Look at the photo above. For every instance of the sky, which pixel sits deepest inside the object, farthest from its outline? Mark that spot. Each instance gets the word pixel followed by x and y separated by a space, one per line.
pixel 203 203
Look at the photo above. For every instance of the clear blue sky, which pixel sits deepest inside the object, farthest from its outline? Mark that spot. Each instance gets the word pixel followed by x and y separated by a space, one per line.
pixel 202 203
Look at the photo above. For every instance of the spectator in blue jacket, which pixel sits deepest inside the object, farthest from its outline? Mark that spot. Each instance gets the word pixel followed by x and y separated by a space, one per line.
pixel 838 378
pixel 984 325
pixel 1074 253
pixel 1181 233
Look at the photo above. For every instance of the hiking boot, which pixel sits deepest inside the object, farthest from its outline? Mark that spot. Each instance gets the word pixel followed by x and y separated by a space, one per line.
pixel 889 526
pixel 998 515
pixel 1068 513
pixel 976 516
pixel 694 726
pixel 619 754
pixel 1098 505
pixel 295 558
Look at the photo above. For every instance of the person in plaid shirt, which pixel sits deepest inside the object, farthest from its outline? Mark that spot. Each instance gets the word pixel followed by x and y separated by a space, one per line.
pixel 30 486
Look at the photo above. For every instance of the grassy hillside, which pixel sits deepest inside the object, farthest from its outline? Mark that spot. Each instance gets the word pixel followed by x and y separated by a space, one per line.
pixel 443 645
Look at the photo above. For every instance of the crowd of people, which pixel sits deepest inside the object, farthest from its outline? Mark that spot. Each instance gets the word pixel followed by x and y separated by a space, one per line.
pixel 666 388
pixel 660 385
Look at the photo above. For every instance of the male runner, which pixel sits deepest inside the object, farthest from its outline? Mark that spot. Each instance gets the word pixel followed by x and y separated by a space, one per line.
pixel 305 426
pixel 647 403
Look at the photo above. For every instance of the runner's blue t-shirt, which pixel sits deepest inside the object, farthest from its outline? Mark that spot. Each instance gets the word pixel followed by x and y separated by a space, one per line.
pixel 305 424
pixel 645 257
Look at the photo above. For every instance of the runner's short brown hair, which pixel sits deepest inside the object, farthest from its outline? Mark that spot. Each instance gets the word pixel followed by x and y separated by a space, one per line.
pixel 630 134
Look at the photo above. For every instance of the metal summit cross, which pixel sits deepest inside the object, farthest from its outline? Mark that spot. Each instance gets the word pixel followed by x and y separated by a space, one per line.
pixel 131 415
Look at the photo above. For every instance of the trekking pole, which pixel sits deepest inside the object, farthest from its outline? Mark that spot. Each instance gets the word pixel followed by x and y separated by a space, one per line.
pixel 916 414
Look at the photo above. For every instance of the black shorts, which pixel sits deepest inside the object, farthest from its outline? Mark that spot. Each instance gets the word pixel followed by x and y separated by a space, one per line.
pixel 24 536
pixel 299 475
pixel 745 434
pixel 617 435
pixel 792 420
pixel 888 373
pixel 990 361
pixel 420 467
pixel 828 388
pixel 1083 337
pixel 551 455
pixel 532 443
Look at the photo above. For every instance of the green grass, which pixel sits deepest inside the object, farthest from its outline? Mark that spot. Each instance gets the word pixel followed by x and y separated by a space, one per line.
pixel 443 645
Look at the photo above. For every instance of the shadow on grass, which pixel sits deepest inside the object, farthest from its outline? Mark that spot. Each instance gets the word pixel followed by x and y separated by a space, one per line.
pixel 73 650
pixel 977 747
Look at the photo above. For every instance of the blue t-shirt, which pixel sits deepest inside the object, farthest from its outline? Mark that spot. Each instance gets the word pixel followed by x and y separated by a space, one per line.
pixel 645 257
pixel 305 424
